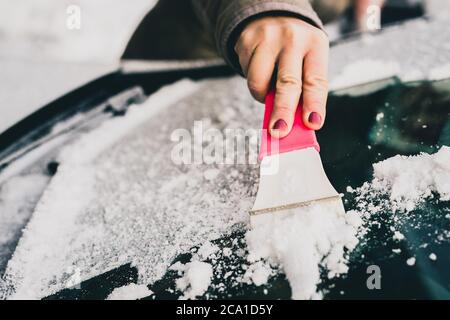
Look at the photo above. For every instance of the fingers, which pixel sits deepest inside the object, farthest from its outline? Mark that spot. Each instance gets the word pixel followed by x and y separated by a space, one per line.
pixel 288 91
pixel 315 85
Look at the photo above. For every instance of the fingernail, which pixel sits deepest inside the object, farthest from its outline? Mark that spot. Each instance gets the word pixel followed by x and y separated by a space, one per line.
pixel 280 124
pixel 315 118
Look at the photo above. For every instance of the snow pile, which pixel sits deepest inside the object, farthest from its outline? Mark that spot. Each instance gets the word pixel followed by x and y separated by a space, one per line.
pixel 426 46
pixel 439 73
pixel 131 291
pixel 196 278
pixel 364 71
pixel 207 250
pixel 411 180
pixel 397 201
pixel 411 261
pixel 18 196
pixel 302 242
pixel 315 241
pixel 91 145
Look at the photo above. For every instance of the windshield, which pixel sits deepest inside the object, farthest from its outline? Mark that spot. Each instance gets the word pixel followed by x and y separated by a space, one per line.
pixel 140 184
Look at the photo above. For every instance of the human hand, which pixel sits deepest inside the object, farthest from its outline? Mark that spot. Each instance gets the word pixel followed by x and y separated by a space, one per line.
pixel 298 53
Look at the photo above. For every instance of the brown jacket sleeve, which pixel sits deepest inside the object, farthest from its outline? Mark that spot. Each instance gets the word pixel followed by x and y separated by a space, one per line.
pixel 226 18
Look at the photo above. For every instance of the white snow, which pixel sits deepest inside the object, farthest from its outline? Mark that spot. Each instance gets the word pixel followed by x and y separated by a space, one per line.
pixel 196 279
pixel 400 185
pixel 315 236
pixel 57 215
pixel 226 252
pixel 432 256
pixel 412 179
pixel 420 47
pixel 408 181
pixel 131 291
pixel 110 132
pixel 18 196
pixel 178 267
pixel 211 174
pixel 43 59
pixel 303 241
pixel 42 30
pixel 379 116
pixel 118 198
pixel 439 73
pixel 207 250
pixel 30 158
pixel 104 208
pixel 54 220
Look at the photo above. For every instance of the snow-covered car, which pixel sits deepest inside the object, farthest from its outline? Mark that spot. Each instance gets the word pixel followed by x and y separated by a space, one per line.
pixel 93 205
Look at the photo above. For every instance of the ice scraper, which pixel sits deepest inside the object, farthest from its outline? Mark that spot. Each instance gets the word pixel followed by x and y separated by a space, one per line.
pixel 291 172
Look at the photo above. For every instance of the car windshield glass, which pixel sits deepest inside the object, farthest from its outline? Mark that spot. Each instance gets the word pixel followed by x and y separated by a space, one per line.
pixel 120 207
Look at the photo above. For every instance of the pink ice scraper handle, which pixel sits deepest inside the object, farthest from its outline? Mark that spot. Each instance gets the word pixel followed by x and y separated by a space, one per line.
pixel 300 136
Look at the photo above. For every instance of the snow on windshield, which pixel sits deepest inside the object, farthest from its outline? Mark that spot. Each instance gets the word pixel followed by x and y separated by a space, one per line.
pixel 118 198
